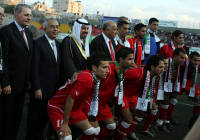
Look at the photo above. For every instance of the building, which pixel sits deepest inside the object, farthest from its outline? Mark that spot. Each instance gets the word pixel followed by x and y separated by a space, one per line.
pixel 10 2
pixel 69 6
pixel 40 8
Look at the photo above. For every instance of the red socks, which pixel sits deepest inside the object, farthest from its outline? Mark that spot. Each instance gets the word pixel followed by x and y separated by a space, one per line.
pixel 87 137
pixel 163 112
pixel 122 130
pixel 103 133
pixel 148 122
pixel 170 111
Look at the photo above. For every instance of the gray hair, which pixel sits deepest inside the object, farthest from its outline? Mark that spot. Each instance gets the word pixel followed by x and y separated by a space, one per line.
pixel 18 8
pixel 45 24
pixel 107 25
pixel 1 8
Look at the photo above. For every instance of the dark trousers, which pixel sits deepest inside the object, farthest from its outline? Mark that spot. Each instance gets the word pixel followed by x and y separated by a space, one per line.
pixel 37 118
pixel 11 107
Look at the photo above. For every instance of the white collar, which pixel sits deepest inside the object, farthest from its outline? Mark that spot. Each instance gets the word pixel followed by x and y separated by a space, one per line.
pixel 49 39
pixel 105 37
pixel 118 40
pixel 18 26
pixel 150 31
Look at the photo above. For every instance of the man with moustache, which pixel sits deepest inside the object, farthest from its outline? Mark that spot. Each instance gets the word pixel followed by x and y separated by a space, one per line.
pixel 75 49
pixel 45 78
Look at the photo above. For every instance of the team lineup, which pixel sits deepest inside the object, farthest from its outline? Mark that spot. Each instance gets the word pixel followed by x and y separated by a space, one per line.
pixel 105 86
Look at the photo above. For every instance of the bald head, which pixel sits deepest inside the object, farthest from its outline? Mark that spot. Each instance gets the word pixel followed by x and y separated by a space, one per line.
pixel 110 29
pixel 1 15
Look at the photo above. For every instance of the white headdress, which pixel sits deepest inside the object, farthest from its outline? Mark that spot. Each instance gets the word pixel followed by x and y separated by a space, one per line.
pixel 76 33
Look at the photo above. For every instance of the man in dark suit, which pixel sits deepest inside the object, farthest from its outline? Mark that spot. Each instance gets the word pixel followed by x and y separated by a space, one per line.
pixel 17 49
pixel 1 63
pixel 45 78
pixel 1 59
pixel 105 43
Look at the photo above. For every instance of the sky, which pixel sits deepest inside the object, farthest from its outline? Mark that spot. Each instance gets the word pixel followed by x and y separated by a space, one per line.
pixel 183 11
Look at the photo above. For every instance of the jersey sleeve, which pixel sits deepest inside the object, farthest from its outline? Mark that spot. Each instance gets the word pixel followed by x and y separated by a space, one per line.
pixel 80 87
pixel 162 50
pixel 134 74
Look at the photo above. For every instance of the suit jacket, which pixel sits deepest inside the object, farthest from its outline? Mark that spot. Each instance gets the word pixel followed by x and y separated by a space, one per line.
pixel 16 58
pixel 72 59
pixel 98 45
pixel 45 68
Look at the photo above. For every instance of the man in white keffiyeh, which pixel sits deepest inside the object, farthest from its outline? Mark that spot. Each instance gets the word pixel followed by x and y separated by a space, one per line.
pixel 82 31
pixel 75 49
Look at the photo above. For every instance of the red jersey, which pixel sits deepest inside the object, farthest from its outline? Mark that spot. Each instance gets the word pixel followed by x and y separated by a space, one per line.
pixel 136 46
pixel 133 81
pixel 80 90
pixel 167 50
pixel 107 86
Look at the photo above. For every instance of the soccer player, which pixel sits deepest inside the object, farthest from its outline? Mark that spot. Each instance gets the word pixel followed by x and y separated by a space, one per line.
pixel 143 82
pixel 66 108
pixel 177 42
pixel 136 43
pixel 190 87
pixel 111 86
pixel 122 31
pixel 174 82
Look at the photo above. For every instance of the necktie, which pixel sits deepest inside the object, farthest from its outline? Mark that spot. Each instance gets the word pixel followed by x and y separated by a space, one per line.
pixel 23 35
pixel 54 49
pixel 111 51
